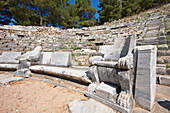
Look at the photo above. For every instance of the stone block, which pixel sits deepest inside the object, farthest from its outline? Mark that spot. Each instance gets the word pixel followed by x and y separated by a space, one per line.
pixel 146 76
pixel 163 47
pixel 167 53
pixel 80 75
pixel 162 41
pixel 167 60
pixel 161 69
pixel 23 72
pixel 161 53
pixel 8 67
pixel 9 57
pixel 164 80
pixel 89 106
pixel 45 58
pixel 9 80
pixel 106 91
pixel 168 71
pixel 61 59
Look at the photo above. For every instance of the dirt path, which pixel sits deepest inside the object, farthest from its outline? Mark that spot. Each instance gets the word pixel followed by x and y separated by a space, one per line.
pixel 29 96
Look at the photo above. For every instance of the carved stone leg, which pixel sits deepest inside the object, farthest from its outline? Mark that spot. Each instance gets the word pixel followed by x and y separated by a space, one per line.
pixel 125 97
pixel 24 64
pixel 93 73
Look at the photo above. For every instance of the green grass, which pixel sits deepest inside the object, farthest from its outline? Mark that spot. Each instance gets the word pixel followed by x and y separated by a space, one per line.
pixel 167 38
pixel 91 42
pixel 48 51
pixel 30 75
pixel 167 66
pixel 76 48
pixel 59 81
pixel 159 62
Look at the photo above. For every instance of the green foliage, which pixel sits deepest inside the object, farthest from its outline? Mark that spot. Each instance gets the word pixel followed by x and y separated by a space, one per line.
pixel 30 75
pixel 85 12
pixel 64 14
pixel 116 9
pixel 111 10
pixel 5 14
pixel 22 14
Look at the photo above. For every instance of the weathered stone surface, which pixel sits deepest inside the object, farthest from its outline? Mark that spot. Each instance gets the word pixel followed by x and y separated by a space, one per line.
pixel 161 53
pixel 8 80
pixel 9 57
pixel 106 91
pixel 31 55
pixel 25 72
pixel 71 73
pixel 167 60
pixel 146 76
pixel 89 106
pixel 45 58
pixel 61 59
pixel 8 67
pixel 168 71
pixel 164 80
pixel 163 47
pixel 139 110
pixel 161 69
pixel 110 104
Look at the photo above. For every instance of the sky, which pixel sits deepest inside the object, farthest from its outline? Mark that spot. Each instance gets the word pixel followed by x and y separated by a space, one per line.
pixel 95 3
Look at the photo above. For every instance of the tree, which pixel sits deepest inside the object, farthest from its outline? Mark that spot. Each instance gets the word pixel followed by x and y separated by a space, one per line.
pixel 130 7
pixel 85 12
pixel 23 12
pixel 110 10
pixel 5 14
pixel 63 13
pixel 41 6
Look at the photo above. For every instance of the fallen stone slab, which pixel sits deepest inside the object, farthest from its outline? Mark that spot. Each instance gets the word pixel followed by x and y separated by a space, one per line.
pixel 3 76
pixel 23 72
pixel 8 67
pixel 9 80
pixel 70 73
pixel 89 106
pixel 108 103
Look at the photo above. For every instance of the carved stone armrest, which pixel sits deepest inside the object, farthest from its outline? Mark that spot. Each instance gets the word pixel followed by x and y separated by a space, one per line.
pixel 126 62
pixel 95 58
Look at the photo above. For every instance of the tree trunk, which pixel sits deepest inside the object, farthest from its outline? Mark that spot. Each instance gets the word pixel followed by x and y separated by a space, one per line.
pixel 41 19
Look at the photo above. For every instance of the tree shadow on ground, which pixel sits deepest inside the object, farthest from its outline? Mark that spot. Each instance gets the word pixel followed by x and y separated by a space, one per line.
pixel 165 104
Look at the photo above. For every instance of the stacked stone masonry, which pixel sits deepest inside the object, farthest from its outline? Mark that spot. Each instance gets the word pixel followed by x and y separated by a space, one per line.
pixel 151 28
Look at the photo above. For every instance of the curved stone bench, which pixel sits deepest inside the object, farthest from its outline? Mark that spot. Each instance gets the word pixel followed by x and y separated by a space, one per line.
pixel 65 72
pixel 58 64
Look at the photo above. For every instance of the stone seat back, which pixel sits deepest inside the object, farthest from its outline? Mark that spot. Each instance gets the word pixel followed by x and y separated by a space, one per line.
pixel 60 59
pixel 121 47
pixel 9 58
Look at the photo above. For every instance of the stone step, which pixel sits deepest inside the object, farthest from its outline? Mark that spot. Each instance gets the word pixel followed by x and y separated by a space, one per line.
pixel 163 80
pixel 163 53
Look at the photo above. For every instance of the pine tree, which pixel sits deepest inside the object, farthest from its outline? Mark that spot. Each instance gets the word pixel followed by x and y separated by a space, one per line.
pixel 41 6
pixel 130 7
pixel 110 10
pixel 5 14
pixel 85 12
pixel 23 12
pixel 62 13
